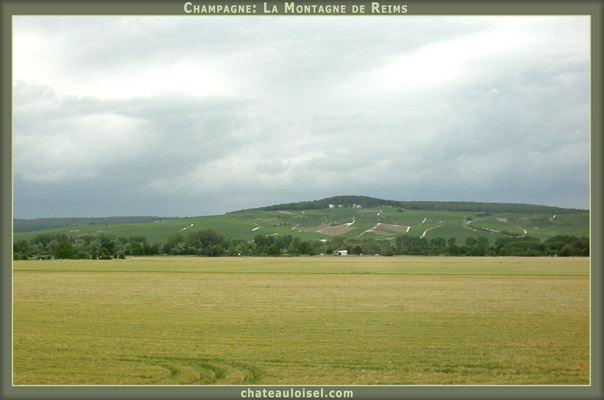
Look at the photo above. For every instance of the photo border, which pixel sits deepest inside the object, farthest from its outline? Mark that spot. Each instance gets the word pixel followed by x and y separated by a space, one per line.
pixel 11 8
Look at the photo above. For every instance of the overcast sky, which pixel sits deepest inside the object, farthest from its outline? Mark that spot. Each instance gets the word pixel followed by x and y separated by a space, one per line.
pixel 175 116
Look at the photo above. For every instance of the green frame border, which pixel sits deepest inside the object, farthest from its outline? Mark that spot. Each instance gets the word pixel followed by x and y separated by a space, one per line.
pixel 9 8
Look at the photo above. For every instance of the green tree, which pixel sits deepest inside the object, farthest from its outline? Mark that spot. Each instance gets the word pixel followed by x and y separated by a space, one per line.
pixel 20 246
pixel 273 251
pixel 104 254
pixel 137 249
pixel 438 242
pixel 565 251
pixel 65 250
pixel 305 247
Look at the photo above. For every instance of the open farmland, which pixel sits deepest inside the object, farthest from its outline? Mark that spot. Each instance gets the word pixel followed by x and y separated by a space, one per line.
pixel 304 320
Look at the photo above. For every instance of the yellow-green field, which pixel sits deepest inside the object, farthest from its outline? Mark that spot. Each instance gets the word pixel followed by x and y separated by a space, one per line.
pixel 319 320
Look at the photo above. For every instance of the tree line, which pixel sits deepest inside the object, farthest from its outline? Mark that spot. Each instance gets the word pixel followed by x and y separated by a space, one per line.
pixel 465 206
pixel 213 244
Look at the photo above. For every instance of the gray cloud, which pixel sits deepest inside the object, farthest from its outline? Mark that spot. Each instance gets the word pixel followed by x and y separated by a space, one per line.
pixel 173 116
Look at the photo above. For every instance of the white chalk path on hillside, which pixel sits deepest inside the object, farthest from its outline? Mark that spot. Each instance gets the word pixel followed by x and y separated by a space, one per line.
pixel 425 219
pixel 469 227
pixel 473 220
pixel 186 227
pixel 375 227
pixel 426 231
pixel 552 218
pixel 295 227
pixel 350 223
pixel 255 229
pixel 369 230
pixel 523 230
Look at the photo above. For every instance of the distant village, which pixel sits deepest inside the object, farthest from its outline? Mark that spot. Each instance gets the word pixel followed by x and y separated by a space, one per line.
pixel 341 206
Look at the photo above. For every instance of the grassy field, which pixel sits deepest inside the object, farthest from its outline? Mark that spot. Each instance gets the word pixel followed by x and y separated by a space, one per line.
pixel 304 320
pixel 307 224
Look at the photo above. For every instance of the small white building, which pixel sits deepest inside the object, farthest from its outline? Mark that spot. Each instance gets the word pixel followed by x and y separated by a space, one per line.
pixel 332 206
pixel 341 252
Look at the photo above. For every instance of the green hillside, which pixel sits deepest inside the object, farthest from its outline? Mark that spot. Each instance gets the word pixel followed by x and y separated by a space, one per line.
pixel 39 224
pixel 383 221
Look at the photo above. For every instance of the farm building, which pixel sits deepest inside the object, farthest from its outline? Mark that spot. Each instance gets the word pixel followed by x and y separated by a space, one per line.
pixel 341 252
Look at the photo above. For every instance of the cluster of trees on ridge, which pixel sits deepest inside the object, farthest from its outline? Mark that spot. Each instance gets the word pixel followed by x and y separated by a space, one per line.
pixel 213 244
pixel 469 206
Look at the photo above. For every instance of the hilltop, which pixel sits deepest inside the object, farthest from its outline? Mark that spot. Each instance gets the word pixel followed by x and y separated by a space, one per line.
pixel 351 201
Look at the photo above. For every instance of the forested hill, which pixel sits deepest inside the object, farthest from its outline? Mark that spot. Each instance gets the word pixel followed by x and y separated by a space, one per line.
pixel 39 224
pixel 470 206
